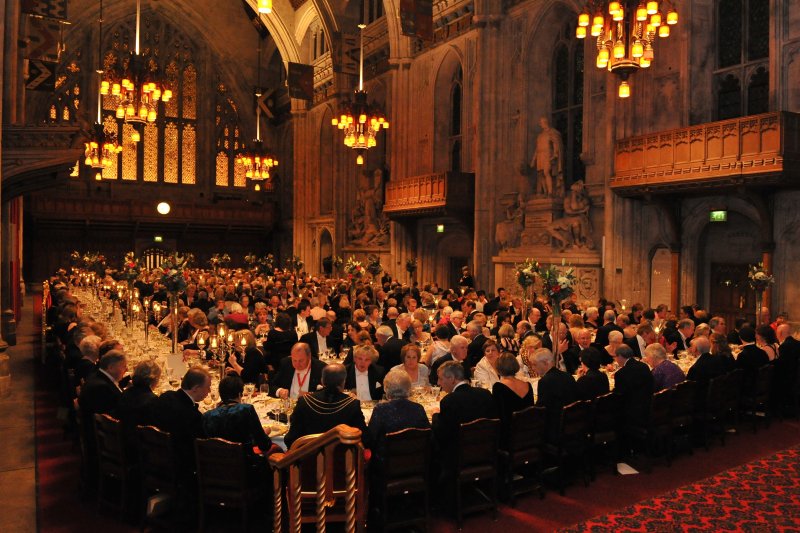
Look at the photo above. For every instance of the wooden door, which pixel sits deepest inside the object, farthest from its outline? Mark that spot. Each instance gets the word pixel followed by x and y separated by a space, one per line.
pixel 730 294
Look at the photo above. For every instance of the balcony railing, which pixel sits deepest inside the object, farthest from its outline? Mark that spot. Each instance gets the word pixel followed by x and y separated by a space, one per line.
pixel 430 194
pixel 759 149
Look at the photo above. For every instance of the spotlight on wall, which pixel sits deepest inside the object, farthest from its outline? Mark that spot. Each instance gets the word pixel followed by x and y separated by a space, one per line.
pixel 163 208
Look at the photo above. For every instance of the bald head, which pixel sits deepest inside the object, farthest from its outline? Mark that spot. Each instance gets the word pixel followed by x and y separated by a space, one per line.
pixel 783 332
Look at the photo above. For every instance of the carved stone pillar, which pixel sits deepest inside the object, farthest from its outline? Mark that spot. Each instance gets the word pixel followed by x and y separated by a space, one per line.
pixel 766 258
pixel 9 37
pixel 300 187
pixel 675 277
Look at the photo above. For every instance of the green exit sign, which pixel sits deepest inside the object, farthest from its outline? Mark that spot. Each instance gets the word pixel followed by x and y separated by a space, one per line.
pixel 718 216
pixel 439 228
pixel 158 238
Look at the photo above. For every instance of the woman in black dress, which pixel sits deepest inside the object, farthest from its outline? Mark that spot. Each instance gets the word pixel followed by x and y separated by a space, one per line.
pixel 592 382
pixel 280 340
pixel 511 394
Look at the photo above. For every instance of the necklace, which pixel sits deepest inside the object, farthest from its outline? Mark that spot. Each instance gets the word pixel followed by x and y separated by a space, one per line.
pixel 302 380
pixel 327 408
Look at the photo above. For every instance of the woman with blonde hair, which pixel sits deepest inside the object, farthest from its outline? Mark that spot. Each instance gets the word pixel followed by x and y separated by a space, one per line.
pixel 247 360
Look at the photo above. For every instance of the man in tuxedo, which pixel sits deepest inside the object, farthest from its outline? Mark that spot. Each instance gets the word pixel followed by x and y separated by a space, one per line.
pixel 494 304
pixel 785 376
pixel 572 360
pixel 298 374
pixel 101 392
pixel 458 353
pixel 556 389
pixel 176 413
pixel 391 318
pixel 455 323
pixel 363 377
pixel 321 410
pixel 609 325
pixel 645 334
pixel 402 327
pixel 524 330
pixel 634 383
pixel 389 347
pixel 705 368
pixel 751 358
pixel 87 364
pixel 477 338
pixel 685 332
pixel 302 321
pixel 462 404
pixel 321 339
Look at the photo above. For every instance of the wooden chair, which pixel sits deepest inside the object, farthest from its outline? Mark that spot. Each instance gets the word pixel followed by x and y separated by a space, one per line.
pixel 657 429
pixel 758 399
pixel 605 426
pixel 572 441
pixel 404 479
pixel 476 465
pixel 521 455
pixel 714 413
pixel 112 462
pixel 222 477
pixel 159 478
pixel 684 396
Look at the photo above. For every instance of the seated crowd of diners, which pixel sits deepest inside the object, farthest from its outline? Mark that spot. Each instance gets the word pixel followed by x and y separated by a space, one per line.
pixel 488 359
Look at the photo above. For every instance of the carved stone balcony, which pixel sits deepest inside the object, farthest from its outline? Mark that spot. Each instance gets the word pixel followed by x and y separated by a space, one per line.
pixel 432 194
pixel 759 150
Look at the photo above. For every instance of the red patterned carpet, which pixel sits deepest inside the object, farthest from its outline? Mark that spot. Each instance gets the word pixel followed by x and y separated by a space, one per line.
pixel 763 495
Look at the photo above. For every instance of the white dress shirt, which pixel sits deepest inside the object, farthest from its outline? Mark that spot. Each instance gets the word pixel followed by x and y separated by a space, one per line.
pixel 322 342
pixel 296 389
pixel 362 385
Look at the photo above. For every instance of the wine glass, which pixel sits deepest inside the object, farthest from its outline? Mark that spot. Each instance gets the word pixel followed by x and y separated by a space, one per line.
pixel 264 389
pixel 249 389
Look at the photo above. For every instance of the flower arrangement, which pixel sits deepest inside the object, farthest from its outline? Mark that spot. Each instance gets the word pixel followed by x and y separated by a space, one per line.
pixel 219 260
pixel 759 279
pixel 131 267
pixel 251 259
pixel 525 273
pixel 267 264
pixel 353 268
pixel 174 274
pixel 411 265
pixel 336 261
pixel 374 266
pixel 294 263
pixel 557 285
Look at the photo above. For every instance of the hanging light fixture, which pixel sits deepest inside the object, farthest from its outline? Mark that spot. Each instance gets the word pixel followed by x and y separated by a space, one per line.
pixel 101 147
pixel 265 6
pixel 626 33
pixel 257 160
pixel 139 88
pixel 360 121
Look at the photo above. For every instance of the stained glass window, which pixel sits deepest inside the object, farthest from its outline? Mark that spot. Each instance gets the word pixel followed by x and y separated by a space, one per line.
pixel 226 118
pixel 171 153
pixel 187 155
pixel 151 153
pixel 568 101
pixel 742 76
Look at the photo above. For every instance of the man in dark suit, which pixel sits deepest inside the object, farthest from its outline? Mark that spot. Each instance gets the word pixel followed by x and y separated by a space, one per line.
pixel 785 376
pixel 363 377
pixel 705 368
pixel 319 411
pixel 298 374
pixel 685 332
pixel 458 352
pixel 87 364
pixel 402 327
pixel 751 358
pixel 388 347
pixel 135 406
pixel 176 413
pixel 609 325
pixel 462 404
pixel 494 304
pixel 572 360
pixel 634 383
pixel 302 320
pixel 475 348
pixel 320 340
pixel 645 334
pixel 556 389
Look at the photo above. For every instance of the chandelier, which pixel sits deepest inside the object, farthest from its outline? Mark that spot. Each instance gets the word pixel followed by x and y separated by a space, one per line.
pixel 138 89
pixel 265 6
pixel 257 161
pixel 626 33
pixel 102 145
pixel 359 120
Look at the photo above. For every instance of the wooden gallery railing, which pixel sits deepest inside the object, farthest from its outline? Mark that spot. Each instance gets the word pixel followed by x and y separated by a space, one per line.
pixel 322 453
pixel 45 307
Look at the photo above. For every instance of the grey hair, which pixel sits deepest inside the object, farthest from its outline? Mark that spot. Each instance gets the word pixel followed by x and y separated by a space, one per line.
pixel 146 373
pixel 702 344
pixel 384 331
pixel 473 327
pixel 90 346
pixel 453 369
pixel 615 334
pixel 609 315
pixel 656 350
pixel 458 340
pixel 543 355
pixel 397 385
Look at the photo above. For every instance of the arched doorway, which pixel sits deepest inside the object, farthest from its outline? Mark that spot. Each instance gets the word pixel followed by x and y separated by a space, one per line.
pixel 725 251
pixel 326 252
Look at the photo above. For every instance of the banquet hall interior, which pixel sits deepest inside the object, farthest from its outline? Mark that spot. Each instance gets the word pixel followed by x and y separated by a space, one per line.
pixel 515 162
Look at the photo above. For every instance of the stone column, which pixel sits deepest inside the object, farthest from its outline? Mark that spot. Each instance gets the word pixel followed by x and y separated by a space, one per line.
pixel 299 188
pixel 7 8
pixel 487 110
pixel 675 276
pixel 766 258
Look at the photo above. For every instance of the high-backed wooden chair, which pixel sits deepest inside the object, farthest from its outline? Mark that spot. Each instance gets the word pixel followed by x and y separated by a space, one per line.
pixel 403 480
pixel 605 427
pixel 113 463
pixel 521 455
pixel 573 441
pixel 159 478
pixel 476 467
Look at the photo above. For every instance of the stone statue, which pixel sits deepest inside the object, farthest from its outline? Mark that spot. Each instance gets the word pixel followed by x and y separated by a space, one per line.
pixel 548 161
pixel 368 225
pixel 507 232
pixel 574 229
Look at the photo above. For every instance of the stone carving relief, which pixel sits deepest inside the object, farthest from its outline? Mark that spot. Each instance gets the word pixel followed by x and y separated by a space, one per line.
pixel 547 164
pixel 588 287
pixel 368 225
pixel 574 229
pixel 507 233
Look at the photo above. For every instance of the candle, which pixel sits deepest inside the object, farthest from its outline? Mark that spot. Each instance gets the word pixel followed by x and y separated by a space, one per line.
pixel 243 342
pixel 201 342
pixel 213 343
pixel 230 338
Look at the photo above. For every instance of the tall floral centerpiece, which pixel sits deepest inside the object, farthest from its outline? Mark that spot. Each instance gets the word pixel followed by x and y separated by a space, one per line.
pixel 525 273
pixel 174 277
pixel 760 280
pixel 557 286
pixel 218 261
pixel 131 269
pixel 355 271
pixel 295 264
pixel 267 264
pixel 411 268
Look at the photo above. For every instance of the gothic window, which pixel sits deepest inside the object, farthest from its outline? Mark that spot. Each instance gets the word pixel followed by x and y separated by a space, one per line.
pixel 318 43
pixel 456 115
pixel 228 141
pixel 371 10
pixel 568 101
pixel 167 149
pixel 64 101
pixel 742 75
